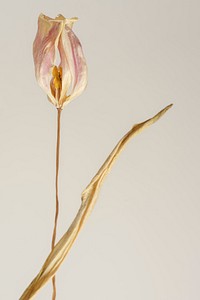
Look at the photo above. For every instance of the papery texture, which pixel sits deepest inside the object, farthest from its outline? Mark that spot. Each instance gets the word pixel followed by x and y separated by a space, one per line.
pixel 57 45
pixel 89 196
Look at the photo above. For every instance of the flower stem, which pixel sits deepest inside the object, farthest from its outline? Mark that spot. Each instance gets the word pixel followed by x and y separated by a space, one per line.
pixel 57 200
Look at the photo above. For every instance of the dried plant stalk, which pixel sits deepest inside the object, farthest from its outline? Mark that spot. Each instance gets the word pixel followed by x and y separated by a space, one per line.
pixel 89 196
pixel 59 110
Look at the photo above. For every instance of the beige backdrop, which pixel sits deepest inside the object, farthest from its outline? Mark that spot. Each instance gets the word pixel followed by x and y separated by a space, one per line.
pixel 142 240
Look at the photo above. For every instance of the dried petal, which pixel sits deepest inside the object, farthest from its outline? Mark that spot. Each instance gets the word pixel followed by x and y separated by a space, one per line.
pixel 44 51
pixel 73 65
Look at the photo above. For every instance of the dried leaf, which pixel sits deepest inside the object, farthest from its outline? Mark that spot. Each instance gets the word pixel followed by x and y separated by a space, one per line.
pixel 89 196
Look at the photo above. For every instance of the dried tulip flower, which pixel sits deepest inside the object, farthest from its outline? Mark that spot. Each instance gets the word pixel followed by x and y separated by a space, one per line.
pixel 62 82
pixel 55 41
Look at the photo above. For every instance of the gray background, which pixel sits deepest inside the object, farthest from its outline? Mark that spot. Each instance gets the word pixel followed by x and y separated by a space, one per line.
pixel 142 240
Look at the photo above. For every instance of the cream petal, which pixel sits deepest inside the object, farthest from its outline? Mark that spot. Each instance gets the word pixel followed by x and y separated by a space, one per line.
pixel 44 51
pixel 73 63
pixel 66 74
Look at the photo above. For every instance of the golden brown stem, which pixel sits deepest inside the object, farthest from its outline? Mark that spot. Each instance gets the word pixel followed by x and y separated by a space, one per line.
pixel 57 200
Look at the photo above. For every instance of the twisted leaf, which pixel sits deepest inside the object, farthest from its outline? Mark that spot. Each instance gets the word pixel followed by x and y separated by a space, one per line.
pixel 89 196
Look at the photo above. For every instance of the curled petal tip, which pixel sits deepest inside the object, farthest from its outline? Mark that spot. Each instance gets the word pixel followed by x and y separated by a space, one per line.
pixel 60 17
pixel 74 19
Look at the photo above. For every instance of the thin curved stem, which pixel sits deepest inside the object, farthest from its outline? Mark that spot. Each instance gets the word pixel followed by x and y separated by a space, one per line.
pixel 57 199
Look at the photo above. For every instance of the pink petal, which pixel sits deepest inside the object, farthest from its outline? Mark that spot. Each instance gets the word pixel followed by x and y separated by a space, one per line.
pixel 44 50
pixel 73 65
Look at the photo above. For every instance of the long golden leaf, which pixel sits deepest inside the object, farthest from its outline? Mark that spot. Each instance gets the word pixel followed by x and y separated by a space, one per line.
pixel 89 196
